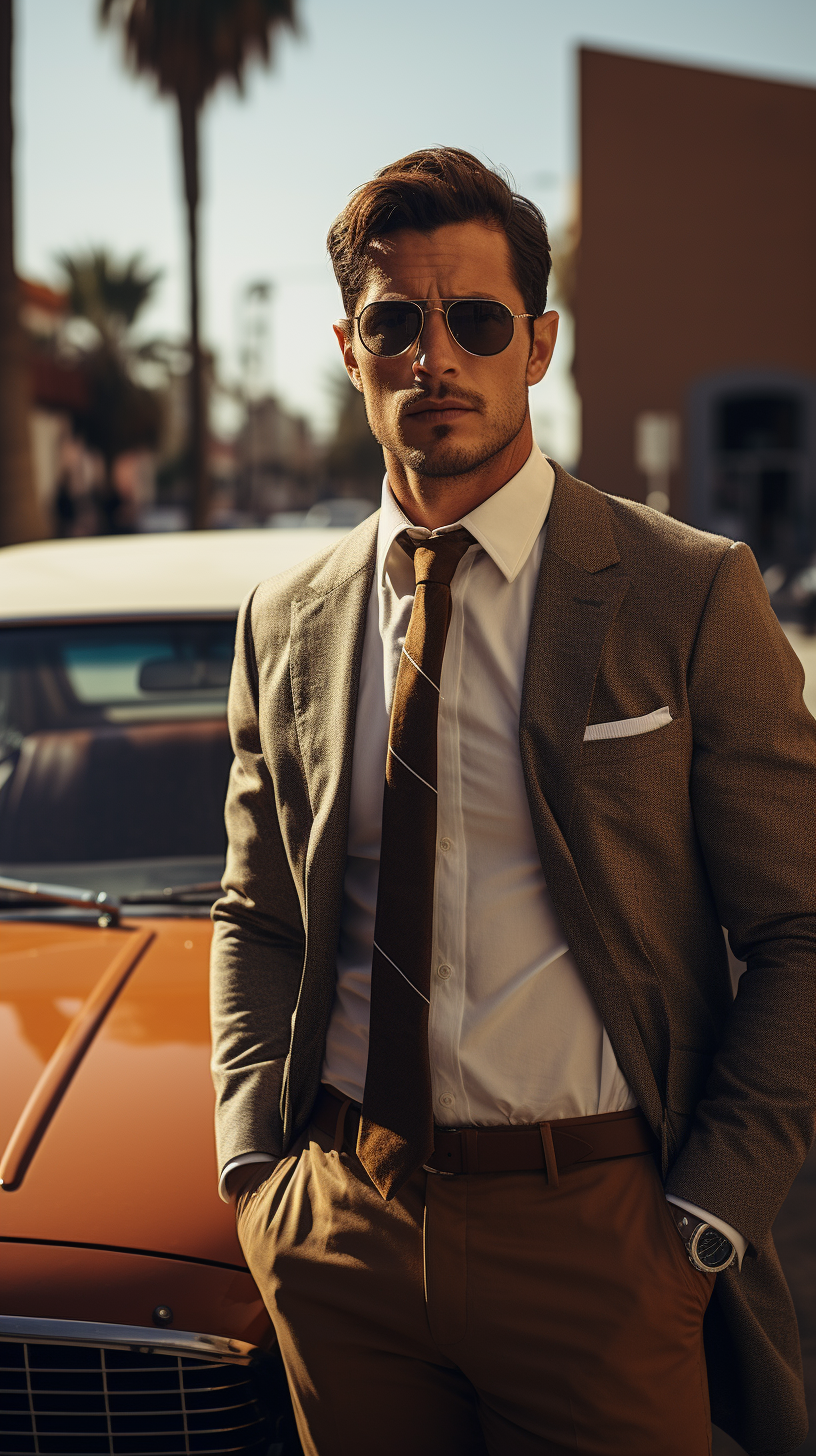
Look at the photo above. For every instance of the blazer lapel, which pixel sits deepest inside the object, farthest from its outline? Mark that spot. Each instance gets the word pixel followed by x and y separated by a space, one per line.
pixel 580 590
pixel 326 648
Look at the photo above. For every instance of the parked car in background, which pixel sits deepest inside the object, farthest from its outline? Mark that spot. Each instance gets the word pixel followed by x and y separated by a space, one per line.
pixel 344 512
pixel 128 1319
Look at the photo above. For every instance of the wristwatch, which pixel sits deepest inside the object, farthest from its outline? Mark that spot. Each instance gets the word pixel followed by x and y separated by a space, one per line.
pixel 708 1250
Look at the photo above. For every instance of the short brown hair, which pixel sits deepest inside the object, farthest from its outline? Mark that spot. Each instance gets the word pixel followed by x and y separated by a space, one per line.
pixel 424 191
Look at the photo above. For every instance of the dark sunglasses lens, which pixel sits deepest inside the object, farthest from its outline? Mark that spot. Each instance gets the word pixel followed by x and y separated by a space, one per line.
pixel 388 329
pixel 480 326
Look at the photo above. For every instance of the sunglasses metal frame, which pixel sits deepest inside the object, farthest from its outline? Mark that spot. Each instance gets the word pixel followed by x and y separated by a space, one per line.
pixel 425 308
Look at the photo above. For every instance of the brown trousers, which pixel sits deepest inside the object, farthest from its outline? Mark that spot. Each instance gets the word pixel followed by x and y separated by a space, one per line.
pixel 484 1315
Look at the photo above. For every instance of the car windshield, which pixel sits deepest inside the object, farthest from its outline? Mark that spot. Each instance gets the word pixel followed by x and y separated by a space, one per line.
pixel 114 753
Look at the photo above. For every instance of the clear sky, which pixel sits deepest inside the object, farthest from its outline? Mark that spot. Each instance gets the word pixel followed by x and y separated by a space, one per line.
pixel 366 82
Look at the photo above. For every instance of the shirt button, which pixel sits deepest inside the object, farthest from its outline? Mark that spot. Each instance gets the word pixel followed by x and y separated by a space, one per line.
pixel 446 1099
pixel 445 845
pixel 444 972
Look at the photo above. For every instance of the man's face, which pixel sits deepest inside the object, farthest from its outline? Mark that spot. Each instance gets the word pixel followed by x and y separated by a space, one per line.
pixel 438 409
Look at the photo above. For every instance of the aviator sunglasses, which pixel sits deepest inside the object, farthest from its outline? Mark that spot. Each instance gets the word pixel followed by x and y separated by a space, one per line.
pixel 478 325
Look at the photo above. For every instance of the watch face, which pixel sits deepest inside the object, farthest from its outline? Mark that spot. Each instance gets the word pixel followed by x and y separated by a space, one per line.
pixel 712 1248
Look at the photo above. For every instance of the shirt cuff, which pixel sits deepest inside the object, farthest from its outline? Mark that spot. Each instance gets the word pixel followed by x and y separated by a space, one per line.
pixel 740 1244
pixel 239 1163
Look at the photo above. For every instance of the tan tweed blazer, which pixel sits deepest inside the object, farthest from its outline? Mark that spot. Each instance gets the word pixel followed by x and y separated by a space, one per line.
pixel 650 843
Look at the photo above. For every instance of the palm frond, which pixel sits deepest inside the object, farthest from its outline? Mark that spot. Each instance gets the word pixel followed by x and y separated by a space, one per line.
pixel 110 294
pixel 188 46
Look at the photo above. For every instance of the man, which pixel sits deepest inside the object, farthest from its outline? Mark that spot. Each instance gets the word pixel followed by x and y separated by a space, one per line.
pixel 506 760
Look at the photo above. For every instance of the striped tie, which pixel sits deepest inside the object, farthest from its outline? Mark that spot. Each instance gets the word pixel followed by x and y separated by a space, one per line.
pixel 396 1128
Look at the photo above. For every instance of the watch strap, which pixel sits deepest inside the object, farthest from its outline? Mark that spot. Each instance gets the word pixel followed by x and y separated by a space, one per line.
pixel 686 1223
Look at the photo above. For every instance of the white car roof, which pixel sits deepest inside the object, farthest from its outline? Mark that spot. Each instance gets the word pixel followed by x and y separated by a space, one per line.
pixel 185 571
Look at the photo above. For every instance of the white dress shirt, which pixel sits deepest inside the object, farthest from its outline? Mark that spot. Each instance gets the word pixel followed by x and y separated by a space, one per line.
pixel 514 1035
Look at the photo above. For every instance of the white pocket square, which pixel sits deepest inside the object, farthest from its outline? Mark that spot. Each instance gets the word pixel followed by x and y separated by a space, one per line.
pixel 628 727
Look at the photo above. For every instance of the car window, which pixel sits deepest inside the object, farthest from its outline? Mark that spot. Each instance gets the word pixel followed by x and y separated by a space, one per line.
pixel 110 672
pixel 114 752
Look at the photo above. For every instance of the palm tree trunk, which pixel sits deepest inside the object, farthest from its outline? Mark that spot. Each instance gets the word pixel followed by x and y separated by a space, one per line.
pixel 20 515
pixel 199 482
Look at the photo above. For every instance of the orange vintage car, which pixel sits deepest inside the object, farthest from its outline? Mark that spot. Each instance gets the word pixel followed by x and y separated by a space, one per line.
pixel 128 1320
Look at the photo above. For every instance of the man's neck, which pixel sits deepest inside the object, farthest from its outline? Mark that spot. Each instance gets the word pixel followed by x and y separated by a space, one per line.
pixel 434 501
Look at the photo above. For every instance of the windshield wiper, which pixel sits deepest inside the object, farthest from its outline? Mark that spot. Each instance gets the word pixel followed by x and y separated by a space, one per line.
pixel 109 913
pixel 177 895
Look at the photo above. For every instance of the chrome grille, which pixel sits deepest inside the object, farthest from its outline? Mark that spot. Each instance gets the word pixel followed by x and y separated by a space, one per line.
pixel 61 1399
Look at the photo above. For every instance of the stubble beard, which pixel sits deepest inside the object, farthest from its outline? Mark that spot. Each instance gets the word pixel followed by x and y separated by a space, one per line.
pixel 443 459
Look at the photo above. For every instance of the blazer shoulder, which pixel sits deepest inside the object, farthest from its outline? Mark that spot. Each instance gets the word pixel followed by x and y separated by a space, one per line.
pixel 639 528
pixel 270 603
pixel 596 529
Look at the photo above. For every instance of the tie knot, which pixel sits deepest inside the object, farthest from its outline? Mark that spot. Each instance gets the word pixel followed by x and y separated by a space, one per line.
pixel 437 557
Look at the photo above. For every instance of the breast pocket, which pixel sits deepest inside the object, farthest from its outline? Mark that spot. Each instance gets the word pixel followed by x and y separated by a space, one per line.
pixel 629 727
pixel 633 747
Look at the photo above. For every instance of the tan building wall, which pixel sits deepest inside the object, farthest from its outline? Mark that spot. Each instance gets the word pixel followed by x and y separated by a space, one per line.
pixel 697 258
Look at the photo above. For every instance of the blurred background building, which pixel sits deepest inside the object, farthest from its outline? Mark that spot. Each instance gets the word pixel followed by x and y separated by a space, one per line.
pixel 696 300
pixel 684 229
pixel 110 431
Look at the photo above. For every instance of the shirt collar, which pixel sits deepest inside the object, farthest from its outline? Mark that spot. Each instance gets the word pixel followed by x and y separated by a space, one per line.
pixel 507 524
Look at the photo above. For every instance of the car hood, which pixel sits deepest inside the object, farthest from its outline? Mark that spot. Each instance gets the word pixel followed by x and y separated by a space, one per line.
pixel 106 1102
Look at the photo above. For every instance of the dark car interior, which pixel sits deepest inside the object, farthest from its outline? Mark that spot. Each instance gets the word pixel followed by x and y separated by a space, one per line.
pixel 114 746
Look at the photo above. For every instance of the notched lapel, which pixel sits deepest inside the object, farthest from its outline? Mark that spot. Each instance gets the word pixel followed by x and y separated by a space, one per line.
pixel 580 590
pixel 327 632
pixel 579 593
pixel 326 649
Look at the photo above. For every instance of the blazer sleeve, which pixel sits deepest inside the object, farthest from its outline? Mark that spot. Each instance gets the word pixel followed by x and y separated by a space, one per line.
pixel 258 940
pixel 753 793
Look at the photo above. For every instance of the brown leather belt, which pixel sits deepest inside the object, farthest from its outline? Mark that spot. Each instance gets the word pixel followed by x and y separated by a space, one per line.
pixel 546 1146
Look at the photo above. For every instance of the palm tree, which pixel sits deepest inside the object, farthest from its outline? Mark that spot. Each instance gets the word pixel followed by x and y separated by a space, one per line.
pixel 188 46
pixel 109 295
pixel 120 414
pixel 20 514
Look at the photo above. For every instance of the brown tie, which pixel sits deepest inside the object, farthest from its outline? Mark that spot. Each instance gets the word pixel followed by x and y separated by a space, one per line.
pixel 396 1128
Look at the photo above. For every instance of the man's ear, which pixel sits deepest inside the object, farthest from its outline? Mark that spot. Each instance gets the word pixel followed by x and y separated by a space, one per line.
pixel 344 336
pixel 545 332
